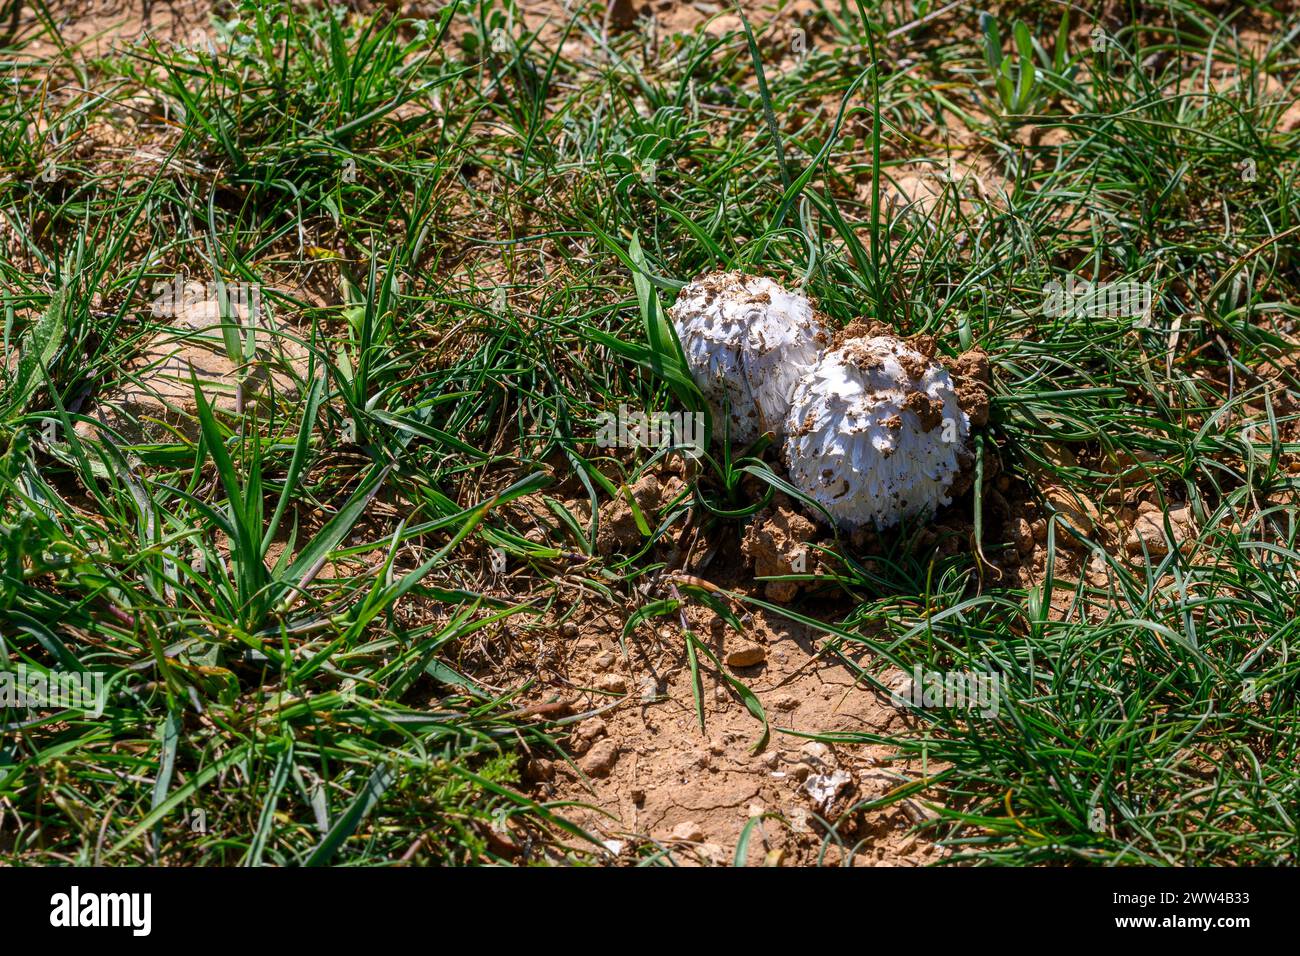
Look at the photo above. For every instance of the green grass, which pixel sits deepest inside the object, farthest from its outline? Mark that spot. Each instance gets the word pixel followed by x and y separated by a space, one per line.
pixel 473 241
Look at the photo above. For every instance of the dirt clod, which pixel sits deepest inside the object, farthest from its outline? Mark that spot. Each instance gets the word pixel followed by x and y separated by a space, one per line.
pixel 776 543
pixel 973 377
pixel 618 526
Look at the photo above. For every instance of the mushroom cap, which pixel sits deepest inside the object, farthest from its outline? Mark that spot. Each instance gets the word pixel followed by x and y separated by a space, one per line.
pixel 876 433
pixel 747 341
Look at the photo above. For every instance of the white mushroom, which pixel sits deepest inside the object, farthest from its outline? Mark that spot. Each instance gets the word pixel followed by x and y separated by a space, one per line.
pixel 876 433
pixel 747 342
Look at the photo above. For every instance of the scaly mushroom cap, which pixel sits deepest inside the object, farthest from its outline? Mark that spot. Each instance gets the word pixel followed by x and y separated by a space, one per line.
pixel 747 342
pixel 875 431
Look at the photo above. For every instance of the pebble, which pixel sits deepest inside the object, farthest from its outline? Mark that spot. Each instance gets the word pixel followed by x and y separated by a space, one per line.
pixel 612 683
pixel 1074 509
pixel 600 759
pixel 746 655
pixel 650 691
pixel 1148 534
pixel 688 832
pixel 785 701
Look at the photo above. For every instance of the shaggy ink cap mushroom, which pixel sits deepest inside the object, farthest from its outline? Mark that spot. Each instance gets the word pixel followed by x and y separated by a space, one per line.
pixel 747 342
pixel 876 433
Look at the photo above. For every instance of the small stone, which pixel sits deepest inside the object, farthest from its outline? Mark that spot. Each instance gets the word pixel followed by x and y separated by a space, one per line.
pixel 611 683
pixel 591 729
pixel 1148 535
pixel 781 592
pixel 568 629
pixel 688 832
pixel 600 759
pixel 1078 513
pixel 746 655
pixel 1077 510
